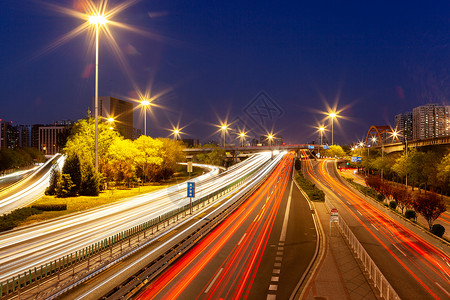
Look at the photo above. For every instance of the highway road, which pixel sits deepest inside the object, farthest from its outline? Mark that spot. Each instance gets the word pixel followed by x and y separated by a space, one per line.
pixel 415 268
pixel 9 179
pixel 31 188
pixel 32 246
pixel 261 251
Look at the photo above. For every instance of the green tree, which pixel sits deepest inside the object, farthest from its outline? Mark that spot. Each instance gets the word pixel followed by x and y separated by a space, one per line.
pixel 334 151
pixel 443 173
pixel 54 178
pixel 149 156
pixel 216 157
pixel 90 182
pixel 120 157
pixel 65 186
pixel 82 142
pixel 73 168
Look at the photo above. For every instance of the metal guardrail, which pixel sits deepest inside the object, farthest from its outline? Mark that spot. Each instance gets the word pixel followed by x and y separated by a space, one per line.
pixel 73 266
pixel 386 291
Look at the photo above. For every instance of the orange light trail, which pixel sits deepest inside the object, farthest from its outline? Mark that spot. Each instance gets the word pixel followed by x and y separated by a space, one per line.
pixel 391 230
pixel 240 267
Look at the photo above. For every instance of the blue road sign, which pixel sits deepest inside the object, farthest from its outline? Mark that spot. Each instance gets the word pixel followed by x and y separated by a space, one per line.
pixel 311 147
pixel 325 147
pixel 191 189
pixel 356 159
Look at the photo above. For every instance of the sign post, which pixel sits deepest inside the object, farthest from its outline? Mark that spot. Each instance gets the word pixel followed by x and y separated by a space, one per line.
pixel 190 193
pixel 334 217
pixel 189 168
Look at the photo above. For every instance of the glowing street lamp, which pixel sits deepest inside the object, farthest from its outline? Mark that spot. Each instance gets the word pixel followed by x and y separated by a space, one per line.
pixel 242 137
pixel 332 115
pixel 111 122
pixel 270 137
pixel 321 129
pixel 97 21
pixel 145 104
pixel 176 133
pixel 224 128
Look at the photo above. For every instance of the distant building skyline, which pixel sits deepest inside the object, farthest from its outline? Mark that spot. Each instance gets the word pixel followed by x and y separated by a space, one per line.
pixel 122 113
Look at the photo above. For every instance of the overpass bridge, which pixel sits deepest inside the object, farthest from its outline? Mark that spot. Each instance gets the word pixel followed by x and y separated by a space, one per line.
pixel 400 146
pixel 245 151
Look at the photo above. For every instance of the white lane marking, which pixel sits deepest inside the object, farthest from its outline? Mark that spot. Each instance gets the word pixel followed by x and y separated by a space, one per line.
pixel 214 280
pixel 240 241
pixel 276 271
pixel 359 212
pixel 286 215
pixel 280 253
pixel 271 297
pixel 444 290
pixel 399 250
pixel 348 203
pixel 275 278
pixel 374 227
pixel 273 287
pixel 277 265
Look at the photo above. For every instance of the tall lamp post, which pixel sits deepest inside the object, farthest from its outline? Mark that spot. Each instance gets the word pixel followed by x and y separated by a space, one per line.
pixel 242 136
pixel 145 104
pixel 332 116
pixel 224 132
pixel 176 133
pixel 96 20
pixel 321 129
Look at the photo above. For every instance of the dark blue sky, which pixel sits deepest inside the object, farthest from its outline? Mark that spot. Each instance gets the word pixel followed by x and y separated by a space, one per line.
pixel 375 60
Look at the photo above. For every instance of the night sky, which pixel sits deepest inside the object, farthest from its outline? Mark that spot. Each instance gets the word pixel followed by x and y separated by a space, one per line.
pixel 267 64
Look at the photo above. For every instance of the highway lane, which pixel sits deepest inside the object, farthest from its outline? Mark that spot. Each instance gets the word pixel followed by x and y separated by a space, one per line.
pixel 31 188
pixel 262 249
pixel 415 268
pixel 9 179
pixel 32 246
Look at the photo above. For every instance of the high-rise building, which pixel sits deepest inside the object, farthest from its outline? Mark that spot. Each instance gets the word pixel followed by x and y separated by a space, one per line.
pixel 48 138
pixel 121 111
pixel 404 125
pixel 430 121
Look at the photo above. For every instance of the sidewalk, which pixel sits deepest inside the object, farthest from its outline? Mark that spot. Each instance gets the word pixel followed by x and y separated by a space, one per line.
pixel 339 275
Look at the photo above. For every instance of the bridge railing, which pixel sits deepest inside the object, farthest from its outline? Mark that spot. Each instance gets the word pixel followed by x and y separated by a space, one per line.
pixel 386 291
pixel 89 260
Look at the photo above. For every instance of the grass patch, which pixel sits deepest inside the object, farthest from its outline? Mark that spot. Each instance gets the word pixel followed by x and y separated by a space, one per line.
pixel 11 220
pixel 310 188
pixel 82 203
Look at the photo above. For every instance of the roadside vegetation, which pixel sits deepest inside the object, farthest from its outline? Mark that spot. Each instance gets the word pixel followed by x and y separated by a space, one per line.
pixel 122 163
pixel 307 186
pixel 11 160
pixel 49 207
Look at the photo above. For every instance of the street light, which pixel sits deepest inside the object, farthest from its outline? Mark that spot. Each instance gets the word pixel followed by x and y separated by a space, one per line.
pixel 242 136
pixel 321 129
pixel 270 137
pixel 176 133
pixel 224 128
pixel 145 103
pixel 97 20
pixel 332 116
pixel 111 122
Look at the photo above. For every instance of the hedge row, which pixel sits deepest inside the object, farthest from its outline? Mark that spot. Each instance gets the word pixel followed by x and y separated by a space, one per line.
pixel 11 220
pixel 310 188
pixel 50 207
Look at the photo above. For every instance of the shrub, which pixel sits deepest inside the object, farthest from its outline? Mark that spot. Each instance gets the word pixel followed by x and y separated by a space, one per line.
pixel 65 186
pixel 50 207
pixel 310 189
pixel 90 183
pixel 410 214
pixel 438 230
pixel 380 197
pixel 298 164
pixel 393 204
pixel 11 220
pixel 54 177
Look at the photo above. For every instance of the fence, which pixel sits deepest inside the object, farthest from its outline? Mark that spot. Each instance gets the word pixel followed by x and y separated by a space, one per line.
pixel 96 256
pixel 379 281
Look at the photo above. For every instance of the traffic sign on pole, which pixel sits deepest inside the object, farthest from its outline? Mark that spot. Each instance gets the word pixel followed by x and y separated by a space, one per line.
pixel 334 215
pixel 191 189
